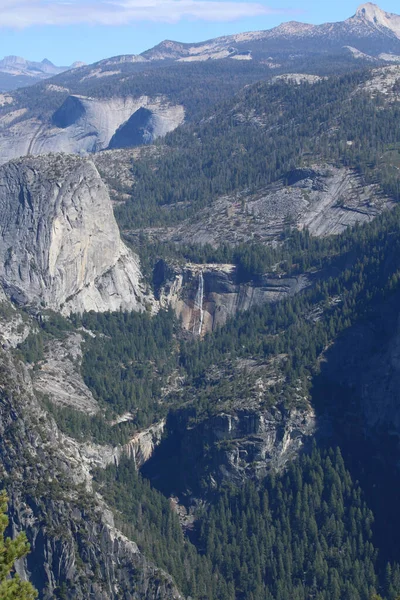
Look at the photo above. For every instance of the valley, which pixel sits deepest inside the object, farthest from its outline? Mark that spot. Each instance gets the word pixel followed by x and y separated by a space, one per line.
pixel 199 322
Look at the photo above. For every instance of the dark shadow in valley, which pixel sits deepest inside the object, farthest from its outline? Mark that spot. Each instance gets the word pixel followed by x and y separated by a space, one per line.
pixel 164 468
pixel 357 393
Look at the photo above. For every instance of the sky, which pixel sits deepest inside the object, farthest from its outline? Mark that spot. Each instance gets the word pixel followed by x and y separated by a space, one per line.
pixel 65 31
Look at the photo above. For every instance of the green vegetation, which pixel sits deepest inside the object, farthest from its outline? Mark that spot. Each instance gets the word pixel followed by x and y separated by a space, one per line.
pixel 98 428
pixel 197 86
pixel 304 533
pixel 11 585
pixel 365 264
pixel 129 360
pixel 131 356
pixel 146 517
pixel 259 137
pixel 307 532
pixel 51 325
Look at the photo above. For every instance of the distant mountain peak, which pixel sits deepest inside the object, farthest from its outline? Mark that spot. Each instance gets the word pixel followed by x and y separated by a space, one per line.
pixel 377 17
pixel 370 11
pixel 293 28
pixel 13 60
pixel 26 72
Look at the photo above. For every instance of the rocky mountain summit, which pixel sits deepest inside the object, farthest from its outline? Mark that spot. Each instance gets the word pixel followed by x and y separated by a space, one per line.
pixel 16 71
pixel 60 245
pixel 371 29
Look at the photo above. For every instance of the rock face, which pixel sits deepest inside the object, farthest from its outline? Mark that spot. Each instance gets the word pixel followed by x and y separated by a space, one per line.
pixel 74 542
pixel 59 244
pixel 82 125
pixel 322 198
pixel 143 127
pixel 142 446
pixel 230 446
pixel 59 377
pixel 204 296
pixel 237 436
pixel 357 392
pixel 364 367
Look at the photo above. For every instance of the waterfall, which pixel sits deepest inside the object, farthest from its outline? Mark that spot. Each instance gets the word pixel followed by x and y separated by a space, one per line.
pixel 198 305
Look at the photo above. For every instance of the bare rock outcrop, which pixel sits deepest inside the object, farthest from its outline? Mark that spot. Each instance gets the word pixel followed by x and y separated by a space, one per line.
pixel 59 377
pixel 83 125
pixel 59 243
pixel 205 296
pixel 324 199
pixel 233 440
pixel 244 443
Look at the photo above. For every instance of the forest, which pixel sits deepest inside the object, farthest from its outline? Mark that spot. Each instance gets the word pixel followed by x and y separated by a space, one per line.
pixel 307 531
pixel 259 137
pixel 304 533
pixel 310 521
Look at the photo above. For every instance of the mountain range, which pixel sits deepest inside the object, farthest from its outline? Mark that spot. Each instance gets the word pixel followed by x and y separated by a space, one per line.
pixel 371 34
pixel 16 71
pixel 371 30
pixel 129 100
pixel 199 319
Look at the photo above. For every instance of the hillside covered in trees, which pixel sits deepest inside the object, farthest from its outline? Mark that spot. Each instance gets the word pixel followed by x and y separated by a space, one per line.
pixel 259 137
pixel 322 524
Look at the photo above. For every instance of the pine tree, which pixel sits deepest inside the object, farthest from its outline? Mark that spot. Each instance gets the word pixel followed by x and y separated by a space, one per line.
pixel 11 586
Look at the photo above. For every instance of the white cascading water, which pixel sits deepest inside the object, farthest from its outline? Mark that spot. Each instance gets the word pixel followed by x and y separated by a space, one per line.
pixel 198 305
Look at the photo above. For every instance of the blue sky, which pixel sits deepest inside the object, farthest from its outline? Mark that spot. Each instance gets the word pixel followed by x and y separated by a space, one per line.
pixel 65 31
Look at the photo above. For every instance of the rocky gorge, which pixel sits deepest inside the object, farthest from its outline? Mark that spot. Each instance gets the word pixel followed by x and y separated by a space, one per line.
pixel 199 338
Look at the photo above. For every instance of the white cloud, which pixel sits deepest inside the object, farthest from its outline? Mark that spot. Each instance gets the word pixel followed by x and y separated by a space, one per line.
pixel 25 13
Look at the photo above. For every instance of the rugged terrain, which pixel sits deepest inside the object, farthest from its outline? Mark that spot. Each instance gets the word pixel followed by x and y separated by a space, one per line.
pixel 75 545
pixel 205 296
pixel 82 125
pixel 244 437
pixel 16 72
pixel 371 30
pixel 131 100
pixel 60 245
pixel 323 199
pixel 186 326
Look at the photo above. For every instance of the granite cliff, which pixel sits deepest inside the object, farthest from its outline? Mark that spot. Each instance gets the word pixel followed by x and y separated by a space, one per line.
pixel 60 246
pixel 82 125
pixel 242 436
pixel 205 296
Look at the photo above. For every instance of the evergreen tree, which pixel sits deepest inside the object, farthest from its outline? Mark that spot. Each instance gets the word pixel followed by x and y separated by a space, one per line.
pixel 11 586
